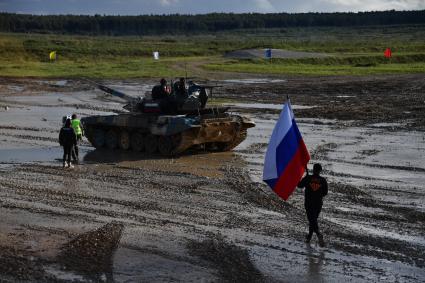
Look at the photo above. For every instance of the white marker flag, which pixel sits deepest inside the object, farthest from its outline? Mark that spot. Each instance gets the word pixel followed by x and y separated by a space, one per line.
pixel 155 55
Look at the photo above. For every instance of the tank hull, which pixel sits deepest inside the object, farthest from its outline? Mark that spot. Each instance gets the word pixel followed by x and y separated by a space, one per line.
pixel 167 134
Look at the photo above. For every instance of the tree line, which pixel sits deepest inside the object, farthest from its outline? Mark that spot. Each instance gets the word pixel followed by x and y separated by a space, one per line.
pixel 214 22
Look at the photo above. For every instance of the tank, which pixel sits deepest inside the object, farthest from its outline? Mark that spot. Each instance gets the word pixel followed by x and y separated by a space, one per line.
pixel 153 126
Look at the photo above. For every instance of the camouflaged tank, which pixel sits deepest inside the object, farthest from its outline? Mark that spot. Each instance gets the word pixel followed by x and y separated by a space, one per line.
pixel 146 128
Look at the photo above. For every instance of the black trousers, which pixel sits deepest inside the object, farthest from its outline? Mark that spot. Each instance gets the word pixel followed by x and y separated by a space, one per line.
pixel 313 211
pixel 75 148
pixel 67 149
pixel 74 152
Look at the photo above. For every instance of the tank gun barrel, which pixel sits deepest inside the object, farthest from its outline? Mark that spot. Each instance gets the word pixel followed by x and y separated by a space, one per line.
pixel 111 91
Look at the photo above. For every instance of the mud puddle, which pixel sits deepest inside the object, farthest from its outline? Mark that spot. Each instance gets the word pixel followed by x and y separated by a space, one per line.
pixel 35 155
pixel 25 155
pixel 264 106
pixel 254 81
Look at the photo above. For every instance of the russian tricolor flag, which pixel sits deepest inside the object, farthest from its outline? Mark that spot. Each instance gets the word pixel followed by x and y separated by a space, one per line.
pixel 286 156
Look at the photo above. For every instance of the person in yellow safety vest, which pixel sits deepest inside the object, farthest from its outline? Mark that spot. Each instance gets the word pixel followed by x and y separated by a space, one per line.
pixel 76 125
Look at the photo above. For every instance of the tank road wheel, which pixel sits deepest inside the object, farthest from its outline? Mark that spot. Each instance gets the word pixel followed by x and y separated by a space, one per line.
pixel 137 141
pixel 111 139
pixel 151 143
pixel 165 145
pixel 227 146
pixel 98 138
pixel 124 140
pixel 168 144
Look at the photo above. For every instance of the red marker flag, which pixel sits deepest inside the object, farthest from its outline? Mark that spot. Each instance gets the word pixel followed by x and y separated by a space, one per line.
pixel 387 53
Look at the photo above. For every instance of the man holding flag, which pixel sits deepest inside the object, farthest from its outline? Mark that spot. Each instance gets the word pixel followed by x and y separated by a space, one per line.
pixel 316 188
pixel 286 159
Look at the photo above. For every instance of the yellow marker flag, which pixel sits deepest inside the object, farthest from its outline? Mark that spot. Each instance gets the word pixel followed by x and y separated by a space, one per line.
pixel 52 55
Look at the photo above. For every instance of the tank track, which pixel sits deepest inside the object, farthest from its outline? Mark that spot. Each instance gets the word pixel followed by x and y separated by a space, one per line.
pixel 240 137
pixel 186 139
pixel 185 143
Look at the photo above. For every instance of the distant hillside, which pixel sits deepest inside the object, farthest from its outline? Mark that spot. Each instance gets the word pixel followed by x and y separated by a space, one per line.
pixel 178 24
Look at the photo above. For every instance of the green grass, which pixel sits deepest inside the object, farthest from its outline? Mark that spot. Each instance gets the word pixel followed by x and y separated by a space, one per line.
pixel 356 51
pixel 335 65
pixel 131 68
pixel 316 69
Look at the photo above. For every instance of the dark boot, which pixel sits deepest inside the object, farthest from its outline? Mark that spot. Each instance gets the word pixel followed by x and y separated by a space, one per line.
pixel 321 241
pixel 308 238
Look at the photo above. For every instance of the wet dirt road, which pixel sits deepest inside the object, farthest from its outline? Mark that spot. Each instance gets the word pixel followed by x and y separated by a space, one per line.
pixel 208 217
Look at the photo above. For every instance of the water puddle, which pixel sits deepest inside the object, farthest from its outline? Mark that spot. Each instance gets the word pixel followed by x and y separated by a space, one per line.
pixel 367 229
pixel 16 88
pixel 387 125
pixel 64 275
pixel 131 88
pixel 265 106
pixel 254 81
pixel 35 154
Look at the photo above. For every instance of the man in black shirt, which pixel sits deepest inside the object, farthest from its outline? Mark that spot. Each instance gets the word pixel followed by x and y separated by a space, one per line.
pixel 316 188
pixel 67 139
pixel 161 91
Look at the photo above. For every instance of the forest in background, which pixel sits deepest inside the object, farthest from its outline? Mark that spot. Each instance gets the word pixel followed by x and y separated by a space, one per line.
pixel 196 24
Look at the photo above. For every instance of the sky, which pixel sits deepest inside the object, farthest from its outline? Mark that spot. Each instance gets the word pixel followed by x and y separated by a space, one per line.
pixel 139 7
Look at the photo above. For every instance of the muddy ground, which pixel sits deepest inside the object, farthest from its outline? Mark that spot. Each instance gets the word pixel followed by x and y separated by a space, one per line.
pixel 207 217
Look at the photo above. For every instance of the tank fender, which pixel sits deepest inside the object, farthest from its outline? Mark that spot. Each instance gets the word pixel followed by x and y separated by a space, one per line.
pixel 247 123
pixel 171 125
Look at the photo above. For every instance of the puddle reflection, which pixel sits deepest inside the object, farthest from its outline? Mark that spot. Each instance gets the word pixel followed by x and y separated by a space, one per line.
pixel 116 156
pixel 315 262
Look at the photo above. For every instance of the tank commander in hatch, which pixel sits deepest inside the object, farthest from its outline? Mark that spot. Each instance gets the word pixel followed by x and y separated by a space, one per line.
pixel 161 91
pixel 162 95
pixel 180 92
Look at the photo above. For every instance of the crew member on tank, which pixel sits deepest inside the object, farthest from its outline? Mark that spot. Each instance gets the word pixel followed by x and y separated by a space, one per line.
pixel 161 91
pixel 76 125
pixel 316 187
pixel 180 92
pixel 67 139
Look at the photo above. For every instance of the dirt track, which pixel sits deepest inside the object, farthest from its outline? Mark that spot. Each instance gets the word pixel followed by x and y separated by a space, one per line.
pixel 206 217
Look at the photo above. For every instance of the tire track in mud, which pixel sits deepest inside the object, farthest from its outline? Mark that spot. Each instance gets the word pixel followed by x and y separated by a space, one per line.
pixel 354 241
pixel 347 239
pixel 32 138
pixel 26 129
pixel 28 188
pixel 62 105
pixel 383 166
pixel 213 209
pixel 186 207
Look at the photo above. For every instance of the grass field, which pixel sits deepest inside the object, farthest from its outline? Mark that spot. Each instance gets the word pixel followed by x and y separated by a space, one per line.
pixel 356 51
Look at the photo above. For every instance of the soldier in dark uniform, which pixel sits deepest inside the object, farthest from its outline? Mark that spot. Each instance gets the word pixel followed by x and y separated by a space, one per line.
pixel 67 139
pixel 316 188
pixel 161 91
pixel 180 92
pixel 161 94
